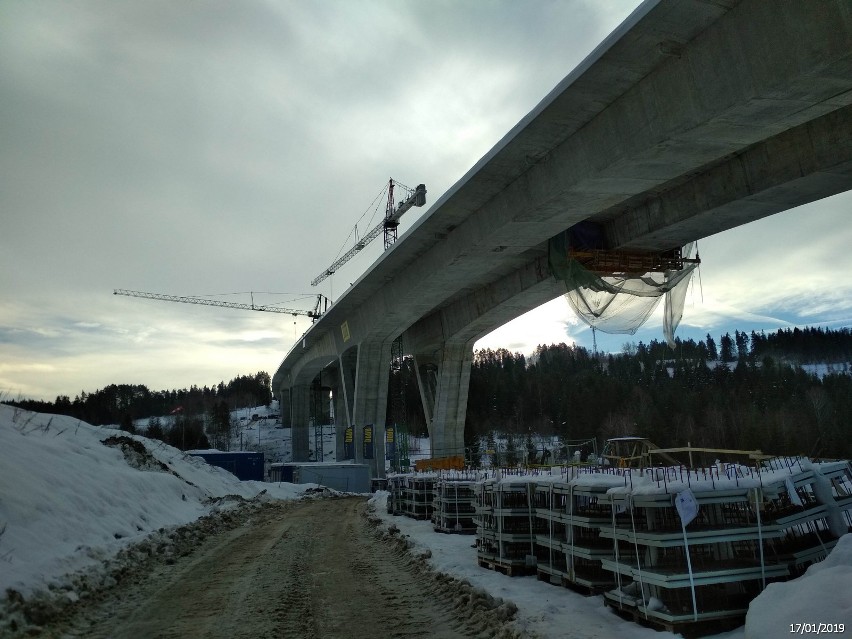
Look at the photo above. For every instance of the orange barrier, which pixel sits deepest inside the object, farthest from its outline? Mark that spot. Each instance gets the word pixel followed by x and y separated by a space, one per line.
pixel 456 462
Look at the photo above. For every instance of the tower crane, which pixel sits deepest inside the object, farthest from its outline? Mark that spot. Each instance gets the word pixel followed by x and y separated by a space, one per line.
pixel 319 308
pixel 389 224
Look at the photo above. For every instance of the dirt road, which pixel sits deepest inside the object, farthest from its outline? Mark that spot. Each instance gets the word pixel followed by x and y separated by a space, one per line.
pixel 309 570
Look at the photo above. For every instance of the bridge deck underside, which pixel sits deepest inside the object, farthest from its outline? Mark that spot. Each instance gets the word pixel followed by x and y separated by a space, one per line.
pixel 692 118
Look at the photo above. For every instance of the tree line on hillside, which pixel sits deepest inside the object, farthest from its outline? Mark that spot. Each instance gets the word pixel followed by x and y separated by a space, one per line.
pixel 793 346
pixel 746 392
pixel 749 392
pixel 212 428
pixel 121 404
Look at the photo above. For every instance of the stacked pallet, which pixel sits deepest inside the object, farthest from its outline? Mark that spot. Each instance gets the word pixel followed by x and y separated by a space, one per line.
pixel 572 544
pixel 506 524
pixel 411 494
pixel 748 529
pixel 395 486
pixel 418 491
pixel 628 534
pixel 550 508
pixel 454 503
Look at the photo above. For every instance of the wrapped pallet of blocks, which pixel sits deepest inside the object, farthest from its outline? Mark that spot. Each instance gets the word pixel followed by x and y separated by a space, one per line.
pixel 506 524
pixel 417 495
pixel 571 549
pixel 694 546
pixel 395 486
pixel 550 508
pixel 453 506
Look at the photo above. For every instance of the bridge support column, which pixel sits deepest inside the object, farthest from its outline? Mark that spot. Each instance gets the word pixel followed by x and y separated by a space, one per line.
pixel 344 394
pixel 284 406
pixel 340 388
pixel 341 418
pixel 444 381
pixel 300 396
pixel 426 370
pixel 370 400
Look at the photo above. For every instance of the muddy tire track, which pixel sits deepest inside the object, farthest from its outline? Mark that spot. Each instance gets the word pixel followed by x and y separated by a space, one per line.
pixel 309 570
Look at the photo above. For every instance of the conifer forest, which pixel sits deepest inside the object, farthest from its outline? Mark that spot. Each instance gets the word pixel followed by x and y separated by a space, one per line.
pixel 785 393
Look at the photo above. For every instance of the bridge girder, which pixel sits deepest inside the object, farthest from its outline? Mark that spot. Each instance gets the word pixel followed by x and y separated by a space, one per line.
pixel 692 118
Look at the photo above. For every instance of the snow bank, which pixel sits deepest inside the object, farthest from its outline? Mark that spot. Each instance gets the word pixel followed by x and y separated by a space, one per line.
pixel 815 603
pixel 68 500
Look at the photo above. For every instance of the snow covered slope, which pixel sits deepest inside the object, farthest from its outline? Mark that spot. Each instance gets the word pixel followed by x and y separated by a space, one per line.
pixel 72 494
pixel 817 603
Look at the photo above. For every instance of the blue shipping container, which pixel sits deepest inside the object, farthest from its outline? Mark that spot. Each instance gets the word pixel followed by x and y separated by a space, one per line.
pixel 246 465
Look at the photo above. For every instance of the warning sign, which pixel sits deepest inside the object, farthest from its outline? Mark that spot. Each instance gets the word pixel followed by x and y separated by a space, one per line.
pixel 349 443
pixel 368 442
pixel 390 443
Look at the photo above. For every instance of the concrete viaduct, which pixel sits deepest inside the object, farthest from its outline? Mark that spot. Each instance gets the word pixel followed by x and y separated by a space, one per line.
pixel 691 118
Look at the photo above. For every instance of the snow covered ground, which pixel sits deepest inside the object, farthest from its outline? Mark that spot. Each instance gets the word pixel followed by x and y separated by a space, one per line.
pixel 73 495
pixel 67 500
pixel 817 603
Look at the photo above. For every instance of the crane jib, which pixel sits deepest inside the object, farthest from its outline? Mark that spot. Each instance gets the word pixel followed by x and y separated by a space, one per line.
pixel 314 313
pixel 416 197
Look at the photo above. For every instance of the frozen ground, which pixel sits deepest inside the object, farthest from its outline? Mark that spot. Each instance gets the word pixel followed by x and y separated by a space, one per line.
pixel 73 497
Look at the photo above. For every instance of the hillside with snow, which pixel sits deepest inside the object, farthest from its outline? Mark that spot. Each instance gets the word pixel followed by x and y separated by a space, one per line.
pixel 72 494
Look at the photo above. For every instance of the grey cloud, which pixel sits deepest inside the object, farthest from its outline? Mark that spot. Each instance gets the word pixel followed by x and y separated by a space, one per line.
pixel 190 148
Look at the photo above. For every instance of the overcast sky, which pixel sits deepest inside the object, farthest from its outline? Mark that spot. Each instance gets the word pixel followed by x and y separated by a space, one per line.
pixel 201 148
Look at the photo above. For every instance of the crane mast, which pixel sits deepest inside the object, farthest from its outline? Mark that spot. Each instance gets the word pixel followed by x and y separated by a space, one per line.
pixel 388 225
pixel 320 306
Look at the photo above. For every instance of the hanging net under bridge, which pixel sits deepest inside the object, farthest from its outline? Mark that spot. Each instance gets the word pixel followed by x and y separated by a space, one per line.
pixel 616 291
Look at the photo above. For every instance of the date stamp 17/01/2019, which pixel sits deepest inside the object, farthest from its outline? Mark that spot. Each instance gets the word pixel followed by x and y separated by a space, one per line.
pixel 817 628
